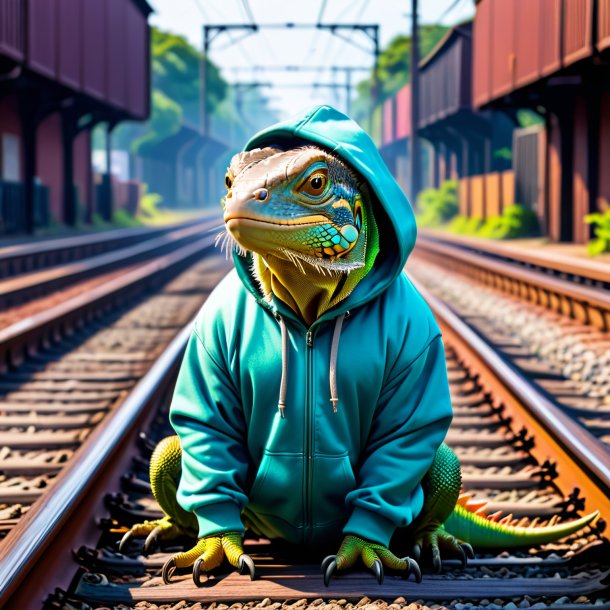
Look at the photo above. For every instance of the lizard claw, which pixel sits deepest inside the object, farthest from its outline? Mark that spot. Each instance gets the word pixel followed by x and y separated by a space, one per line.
pixel 468 549
pixel 245 565
pixel 377 570
pixel 462 556
pixel 329 565
pixel 125 540
pixel 197 572
pixel 169 567
pixel 412 569
pixel 150 539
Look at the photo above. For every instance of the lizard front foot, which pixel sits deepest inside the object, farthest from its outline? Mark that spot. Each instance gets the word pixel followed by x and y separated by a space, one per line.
pixel 374 556
pixel 434 540
pixel 209 553
pixel 159 529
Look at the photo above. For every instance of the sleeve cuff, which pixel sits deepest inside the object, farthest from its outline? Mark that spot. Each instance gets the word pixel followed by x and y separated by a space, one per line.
pixel 372 526
pixel 218 518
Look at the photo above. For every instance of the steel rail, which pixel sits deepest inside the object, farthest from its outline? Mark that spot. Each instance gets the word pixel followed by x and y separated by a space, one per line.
pixel 25 336
pixel 27 286
pixel 45 521
pixel 588 305
pixel 550 261
pixel 30 256
pixel 583 459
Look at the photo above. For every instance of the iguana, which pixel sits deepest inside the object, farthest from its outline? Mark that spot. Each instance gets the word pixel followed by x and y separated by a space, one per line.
pixel 318 306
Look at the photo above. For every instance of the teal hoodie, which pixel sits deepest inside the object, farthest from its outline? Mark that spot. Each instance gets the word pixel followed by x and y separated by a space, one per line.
pixel 315 474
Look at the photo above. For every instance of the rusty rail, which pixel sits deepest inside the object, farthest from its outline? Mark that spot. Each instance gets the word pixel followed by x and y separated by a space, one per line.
pixel 41 283
pixel 83 479
pixel 583 303
pixel 26 336
pixel 552 263
pixel 27 257
pixel 585 462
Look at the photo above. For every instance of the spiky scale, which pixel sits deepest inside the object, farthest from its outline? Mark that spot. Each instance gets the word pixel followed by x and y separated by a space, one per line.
pixel 484 533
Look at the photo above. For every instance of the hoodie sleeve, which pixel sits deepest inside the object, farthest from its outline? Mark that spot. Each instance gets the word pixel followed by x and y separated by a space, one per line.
pixel 410 422
pixel 206 414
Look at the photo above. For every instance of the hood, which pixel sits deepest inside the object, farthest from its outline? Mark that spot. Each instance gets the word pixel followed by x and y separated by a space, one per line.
pixel 333 130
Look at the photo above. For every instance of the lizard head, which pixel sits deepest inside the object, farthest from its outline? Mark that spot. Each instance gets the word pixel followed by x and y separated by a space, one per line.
pixel 302 205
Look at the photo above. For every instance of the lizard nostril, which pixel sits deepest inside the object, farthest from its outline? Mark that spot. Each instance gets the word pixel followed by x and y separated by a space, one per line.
pixel 229 195
pixel 261 194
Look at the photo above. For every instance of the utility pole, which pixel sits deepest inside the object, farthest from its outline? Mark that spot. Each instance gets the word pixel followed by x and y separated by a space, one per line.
pixel 203 83
pixel 415 157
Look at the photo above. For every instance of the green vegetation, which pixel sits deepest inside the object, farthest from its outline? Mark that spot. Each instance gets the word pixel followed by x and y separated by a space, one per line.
pixel 437 206
pixel 516 221
pixel 175 93
pixel 601 228
pixel 465 225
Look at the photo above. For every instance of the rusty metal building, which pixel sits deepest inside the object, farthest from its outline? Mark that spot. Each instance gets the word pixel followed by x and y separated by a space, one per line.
pixel 553 56
pixel 65 66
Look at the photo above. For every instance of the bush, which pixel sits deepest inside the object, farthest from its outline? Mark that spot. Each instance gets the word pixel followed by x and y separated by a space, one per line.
pixel 437 206
pixel 601 228
pixel 122 218
pixel 515 221
pixel 149 203
pixel 465 225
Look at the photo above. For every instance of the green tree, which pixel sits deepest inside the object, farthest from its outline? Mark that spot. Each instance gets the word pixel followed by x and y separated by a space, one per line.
pixel 165 120
pixel 175 72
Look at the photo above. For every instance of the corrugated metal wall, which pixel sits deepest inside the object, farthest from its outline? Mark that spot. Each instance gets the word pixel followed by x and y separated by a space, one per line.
pixel 388 121
pixel 137 62
pixel 503 47
pixel 403 113
pixel 445 84
pixel 603 199
pixel 11 28
pixel 42 33
pixel 528 42
pixel 481 78
pixel 550 36
pixel 527 167
pixel 577 30
pixel 70 42
pixel 99 47
pixel 580 190
pixel 603 24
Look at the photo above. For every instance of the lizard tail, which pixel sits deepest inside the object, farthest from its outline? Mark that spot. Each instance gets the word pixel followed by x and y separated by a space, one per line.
pixel 485 532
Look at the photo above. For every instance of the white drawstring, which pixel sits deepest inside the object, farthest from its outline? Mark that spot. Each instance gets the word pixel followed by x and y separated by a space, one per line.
pixel 281 405
pixel 332 374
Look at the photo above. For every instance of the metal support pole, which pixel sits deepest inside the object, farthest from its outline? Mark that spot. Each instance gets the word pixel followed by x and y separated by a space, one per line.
pixel 415 147
pixel 203 84
pixel 375 93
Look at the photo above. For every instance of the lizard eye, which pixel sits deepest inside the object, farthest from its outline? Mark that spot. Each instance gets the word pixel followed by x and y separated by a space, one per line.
pixel 315 185
pixel 228 181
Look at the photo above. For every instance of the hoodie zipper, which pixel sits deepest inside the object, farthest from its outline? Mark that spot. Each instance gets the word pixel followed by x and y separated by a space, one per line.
pixel 309 436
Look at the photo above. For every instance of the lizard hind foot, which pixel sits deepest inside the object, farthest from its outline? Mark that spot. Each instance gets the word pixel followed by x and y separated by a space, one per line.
pixel 433 542
pixel 159 529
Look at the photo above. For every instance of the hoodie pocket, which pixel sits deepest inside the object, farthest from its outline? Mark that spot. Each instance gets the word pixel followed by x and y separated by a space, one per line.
pixel 333 479
pixel 277 488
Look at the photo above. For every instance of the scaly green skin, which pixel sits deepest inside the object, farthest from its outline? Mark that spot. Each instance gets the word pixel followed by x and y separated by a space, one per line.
pixel 326 232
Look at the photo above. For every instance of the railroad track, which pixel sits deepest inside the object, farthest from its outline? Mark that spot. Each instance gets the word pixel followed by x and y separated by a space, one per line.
pixel 66 368
pixel 572 288
pixel 567 357
pixel 529 474
pixel 28 257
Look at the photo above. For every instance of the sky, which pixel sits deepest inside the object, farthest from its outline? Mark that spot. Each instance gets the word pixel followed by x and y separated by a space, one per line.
pixel 240 56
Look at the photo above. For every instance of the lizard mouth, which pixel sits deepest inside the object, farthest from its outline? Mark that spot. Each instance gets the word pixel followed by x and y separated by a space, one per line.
pixel 296 222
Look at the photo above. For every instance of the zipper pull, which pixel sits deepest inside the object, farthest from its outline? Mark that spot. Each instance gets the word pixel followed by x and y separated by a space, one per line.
pixel 309 338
